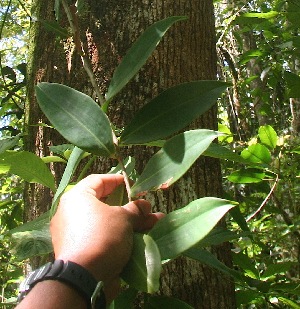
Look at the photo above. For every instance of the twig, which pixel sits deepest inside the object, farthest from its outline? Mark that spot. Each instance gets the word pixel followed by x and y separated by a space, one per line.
pixel 72 18
pixel 265 200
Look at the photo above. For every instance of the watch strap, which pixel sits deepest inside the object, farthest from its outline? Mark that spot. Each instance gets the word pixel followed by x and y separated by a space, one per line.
pixel 70 273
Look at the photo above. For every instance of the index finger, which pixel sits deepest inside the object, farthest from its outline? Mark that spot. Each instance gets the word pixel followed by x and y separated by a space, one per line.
pixel 99 185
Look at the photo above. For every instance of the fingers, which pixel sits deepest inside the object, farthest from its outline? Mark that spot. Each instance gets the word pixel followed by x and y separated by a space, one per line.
pixel 140 215
pixel 99 185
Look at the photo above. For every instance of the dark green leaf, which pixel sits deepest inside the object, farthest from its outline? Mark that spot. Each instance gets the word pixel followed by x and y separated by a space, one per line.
pixel 173 160
pixel 77 118
pixel 143 269
pixel 220 152
pixel 125 300
pixel 171 111
pixel 250 175
pixel 53 26
pixel 293 83
pixel 183 228
pixel 245 297
pixel 278 268
pixel 268 136
pixel 208 258
pixel 159 302
pixel 138 54
pixel 8 143
pixel 246 264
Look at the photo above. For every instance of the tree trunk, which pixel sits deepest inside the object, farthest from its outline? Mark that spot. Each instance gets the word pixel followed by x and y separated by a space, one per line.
pixel 187 53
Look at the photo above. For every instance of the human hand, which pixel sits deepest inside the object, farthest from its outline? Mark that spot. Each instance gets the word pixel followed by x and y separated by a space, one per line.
pixel 95 235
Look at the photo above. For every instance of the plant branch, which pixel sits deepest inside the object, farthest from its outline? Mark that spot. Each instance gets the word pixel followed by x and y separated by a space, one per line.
pixel 265 200
pixel 73 21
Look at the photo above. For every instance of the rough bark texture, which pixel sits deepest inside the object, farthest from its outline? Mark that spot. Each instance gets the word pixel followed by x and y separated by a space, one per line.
pixel 186 53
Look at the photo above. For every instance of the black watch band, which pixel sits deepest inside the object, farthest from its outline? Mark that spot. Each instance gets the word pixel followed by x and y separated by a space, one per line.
pixel 73 275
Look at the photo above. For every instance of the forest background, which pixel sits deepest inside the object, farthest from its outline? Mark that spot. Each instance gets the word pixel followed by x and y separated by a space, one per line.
pixel 258 47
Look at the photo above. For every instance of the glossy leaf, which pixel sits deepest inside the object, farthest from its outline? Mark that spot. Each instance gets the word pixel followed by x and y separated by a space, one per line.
pixel 159 302
pixel 138 54
pixel 30 167
pixel 171 111
pixel 77 118
pixel 268 136
pixel 125 299
pixel 144 267
pixel 72 164
pixel 173 160
pixel 257 153
pixel 250 175
pixel 181 229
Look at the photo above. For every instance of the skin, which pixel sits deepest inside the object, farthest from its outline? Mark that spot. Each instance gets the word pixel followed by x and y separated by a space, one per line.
pixel 93 234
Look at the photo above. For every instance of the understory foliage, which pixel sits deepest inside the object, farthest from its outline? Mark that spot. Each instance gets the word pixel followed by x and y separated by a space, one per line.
pixel 259 114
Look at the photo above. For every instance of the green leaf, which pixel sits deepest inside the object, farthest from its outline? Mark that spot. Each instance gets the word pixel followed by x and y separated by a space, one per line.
pixel 173 160
pixel 246 264
pixel 125 300
pixel 77 118
pixel 8 143
pixel 72 164
pixel 171 111
pixel 292 82
pixel 53 26
pixel 183 228
pixel 30 167
pixel 31 243
pixel 245 297
pixel 144 267
pixel 37 224
pixel 138 54
pixel 249 175
pixel 257 153
pixel 158 302
pixel 209 259
pixel 268 136
pixel 220 152
pixel 278 268
pixel 289 302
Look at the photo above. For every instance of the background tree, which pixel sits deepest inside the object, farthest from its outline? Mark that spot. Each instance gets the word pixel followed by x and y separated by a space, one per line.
pixel 175 61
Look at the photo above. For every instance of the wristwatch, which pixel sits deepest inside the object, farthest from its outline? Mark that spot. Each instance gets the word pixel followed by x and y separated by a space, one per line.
pixel 71 274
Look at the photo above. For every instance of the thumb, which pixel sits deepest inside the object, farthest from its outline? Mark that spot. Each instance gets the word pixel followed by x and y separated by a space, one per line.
pixel 140 215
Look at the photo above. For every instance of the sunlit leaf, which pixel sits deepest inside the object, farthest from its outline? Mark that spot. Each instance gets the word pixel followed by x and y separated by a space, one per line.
pixel 30 167
pixel 171 111
pixel 268 136
pixel 77 118
pixel 289 302
pixel 173 160
pixel 72 164
pixel 247 176
pixel 143 269
pixel 138 54
pixel 181 229
pixel 257 153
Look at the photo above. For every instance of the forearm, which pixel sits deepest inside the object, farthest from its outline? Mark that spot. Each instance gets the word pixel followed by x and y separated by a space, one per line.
pixel 51 294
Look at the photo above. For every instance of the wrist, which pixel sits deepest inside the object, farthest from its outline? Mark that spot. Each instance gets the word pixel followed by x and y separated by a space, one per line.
pixel 68 273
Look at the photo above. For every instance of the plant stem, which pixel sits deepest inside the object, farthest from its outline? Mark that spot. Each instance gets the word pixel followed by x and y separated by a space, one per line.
pixel 72 18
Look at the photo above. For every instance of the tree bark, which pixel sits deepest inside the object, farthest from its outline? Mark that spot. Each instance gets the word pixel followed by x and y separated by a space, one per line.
pixel 187 53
